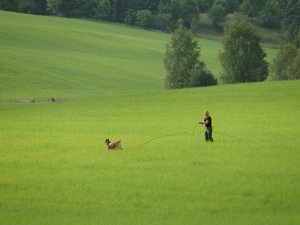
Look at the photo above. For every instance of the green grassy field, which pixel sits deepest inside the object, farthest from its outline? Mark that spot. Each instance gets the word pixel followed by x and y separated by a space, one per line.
pixel 55 169
pixel 49 56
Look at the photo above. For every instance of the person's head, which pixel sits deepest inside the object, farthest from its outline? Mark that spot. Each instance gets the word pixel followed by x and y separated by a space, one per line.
pixel 206 113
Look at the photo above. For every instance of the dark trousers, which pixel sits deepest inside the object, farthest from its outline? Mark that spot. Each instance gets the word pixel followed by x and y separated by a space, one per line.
pixel 208 134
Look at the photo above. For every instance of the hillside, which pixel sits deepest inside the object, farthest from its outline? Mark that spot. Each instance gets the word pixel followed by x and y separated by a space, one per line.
pixel 55 168
pixel 57 57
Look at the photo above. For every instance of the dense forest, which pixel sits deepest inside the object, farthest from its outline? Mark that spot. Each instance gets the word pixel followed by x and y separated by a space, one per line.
pixel 166 15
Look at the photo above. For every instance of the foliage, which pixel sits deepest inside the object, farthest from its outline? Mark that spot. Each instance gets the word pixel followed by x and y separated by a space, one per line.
pixel 271 15
pixel 73 8
pixel 230 6
pixel 195 24
pixel 181 57
pixel 33 6
pixel 286 65
pixel 252 8
pixel 26 6
pixel 243 58
pixel 217 14
pixel 295 68
pixel 144 18
pixel 181 60
pixel 292 20
pixel 103 9
pixel 201 76
pixel 204 5
pixel 9 5
pixel 162 21
pixel 53 6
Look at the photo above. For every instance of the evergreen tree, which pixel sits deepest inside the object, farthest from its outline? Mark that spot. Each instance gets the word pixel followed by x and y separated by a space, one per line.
pixel 243 58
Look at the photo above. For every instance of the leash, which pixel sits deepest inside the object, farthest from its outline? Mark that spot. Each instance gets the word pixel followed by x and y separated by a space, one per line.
pixel 170 135
pixel 186 133
pixel 227 135
pixel 163 136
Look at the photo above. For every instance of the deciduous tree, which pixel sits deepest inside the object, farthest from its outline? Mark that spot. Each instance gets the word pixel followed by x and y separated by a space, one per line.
pixel 286 65
pixel 182 61
pixel 243 59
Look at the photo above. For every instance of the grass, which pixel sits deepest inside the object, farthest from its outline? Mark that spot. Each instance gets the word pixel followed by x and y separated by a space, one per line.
pixel 70 58
pixel 55 169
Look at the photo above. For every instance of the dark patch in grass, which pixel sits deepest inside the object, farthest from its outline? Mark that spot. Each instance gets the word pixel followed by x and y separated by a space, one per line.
pixel 38 100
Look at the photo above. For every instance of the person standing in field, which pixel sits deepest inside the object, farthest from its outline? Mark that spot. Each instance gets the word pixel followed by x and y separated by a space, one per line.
pixel 208 125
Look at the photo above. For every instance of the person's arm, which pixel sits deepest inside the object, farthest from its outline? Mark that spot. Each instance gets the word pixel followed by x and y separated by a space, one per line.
pixel 205 122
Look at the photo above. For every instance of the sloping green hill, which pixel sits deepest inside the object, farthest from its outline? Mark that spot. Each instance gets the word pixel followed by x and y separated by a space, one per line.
pixel 50 56
pixel 44 56
pixel 55 168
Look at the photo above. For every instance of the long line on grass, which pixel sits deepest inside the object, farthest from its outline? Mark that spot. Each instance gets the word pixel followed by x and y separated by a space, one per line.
pixel 187 133
pixel 164 136
pixel 169 135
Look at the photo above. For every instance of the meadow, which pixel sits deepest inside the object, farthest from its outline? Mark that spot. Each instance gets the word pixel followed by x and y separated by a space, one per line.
pixel 55 168
pixel 48 56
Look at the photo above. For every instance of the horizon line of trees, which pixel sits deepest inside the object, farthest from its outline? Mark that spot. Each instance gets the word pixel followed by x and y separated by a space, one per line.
pixel 164 15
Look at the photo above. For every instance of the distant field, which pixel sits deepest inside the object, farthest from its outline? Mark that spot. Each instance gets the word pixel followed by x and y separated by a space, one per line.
pixel 49 56
pixel 108 80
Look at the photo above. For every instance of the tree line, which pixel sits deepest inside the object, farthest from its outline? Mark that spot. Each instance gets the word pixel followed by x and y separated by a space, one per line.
pixel 161 14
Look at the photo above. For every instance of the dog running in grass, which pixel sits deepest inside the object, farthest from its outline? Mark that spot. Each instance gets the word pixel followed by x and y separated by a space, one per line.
pixel 115 145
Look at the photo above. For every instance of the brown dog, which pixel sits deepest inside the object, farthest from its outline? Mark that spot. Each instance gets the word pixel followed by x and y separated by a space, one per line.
pixel 113 145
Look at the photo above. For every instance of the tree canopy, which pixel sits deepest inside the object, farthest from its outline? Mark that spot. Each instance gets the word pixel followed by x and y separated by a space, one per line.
pixel 182 63
pixel 165 14
pixel 243 59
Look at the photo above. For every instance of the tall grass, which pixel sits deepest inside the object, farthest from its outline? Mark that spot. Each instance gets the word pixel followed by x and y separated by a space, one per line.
pixel 55 168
